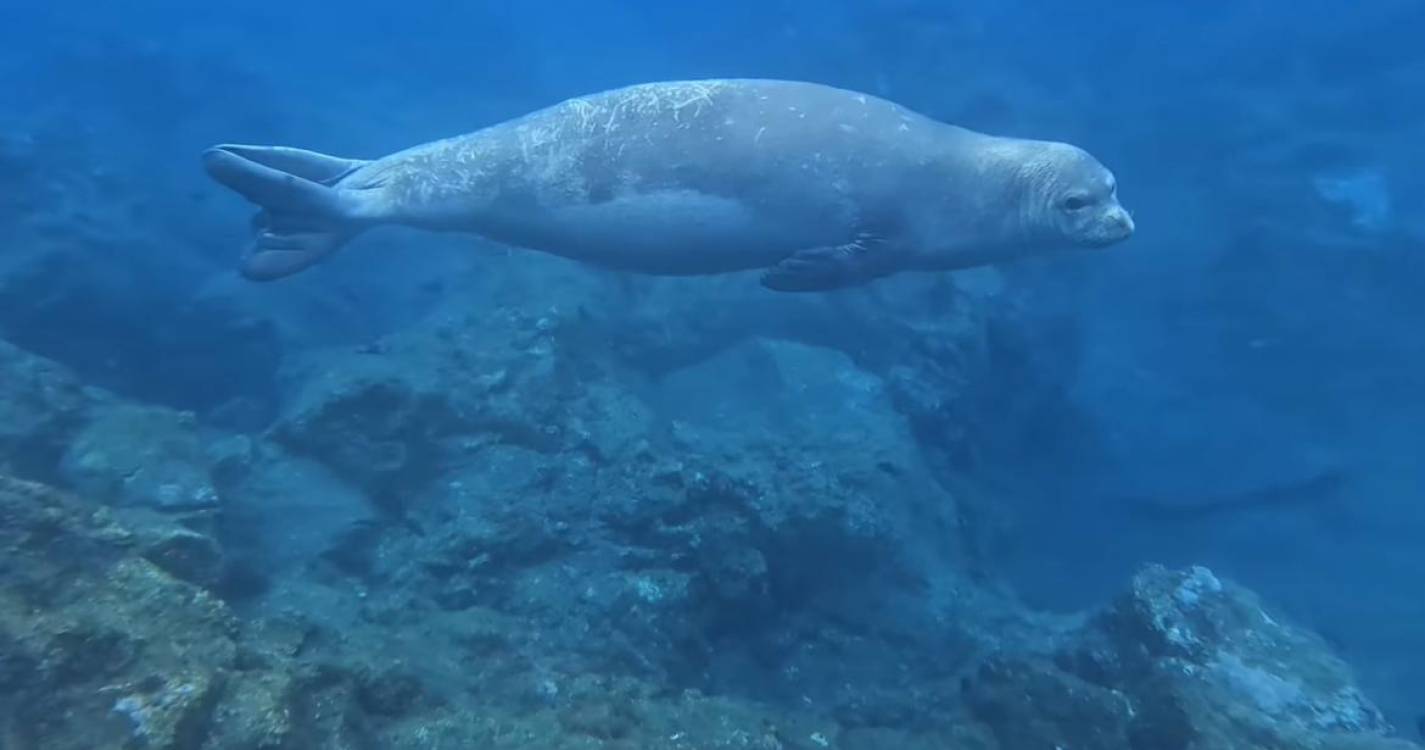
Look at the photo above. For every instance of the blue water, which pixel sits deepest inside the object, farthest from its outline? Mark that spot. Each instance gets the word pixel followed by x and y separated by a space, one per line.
pixel 1239 385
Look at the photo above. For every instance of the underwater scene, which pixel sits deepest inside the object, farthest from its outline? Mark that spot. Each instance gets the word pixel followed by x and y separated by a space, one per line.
pixel 712 375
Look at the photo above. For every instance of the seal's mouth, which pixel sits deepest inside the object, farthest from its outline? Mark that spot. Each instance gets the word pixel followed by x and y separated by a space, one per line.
pixel 1113 227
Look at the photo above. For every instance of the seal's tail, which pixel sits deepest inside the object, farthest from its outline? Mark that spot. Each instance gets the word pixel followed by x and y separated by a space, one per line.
pixel 303 218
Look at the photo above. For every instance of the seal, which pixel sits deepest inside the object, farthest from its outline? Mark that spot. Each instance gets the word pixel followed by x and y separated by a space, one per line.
pixel 820 187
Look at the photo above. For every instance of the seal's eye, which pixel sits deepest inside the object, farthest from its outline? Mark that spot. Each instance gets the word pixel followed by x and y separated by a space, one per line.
pixel 1075 202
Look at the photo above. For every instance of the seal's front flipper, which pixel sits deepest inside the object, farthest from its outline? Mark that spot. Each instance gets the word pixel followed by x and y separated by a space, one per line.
pixel 303 219
pixel 821 269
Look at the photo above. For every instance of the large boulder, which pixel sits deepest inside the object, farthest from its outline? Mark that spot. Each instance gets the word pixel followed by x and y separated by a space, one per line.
pixel 1182 661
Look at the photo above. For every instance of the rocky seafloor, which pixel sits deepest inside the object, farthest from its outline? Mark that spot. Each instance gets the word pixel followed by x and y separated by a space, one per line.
pixel 507 529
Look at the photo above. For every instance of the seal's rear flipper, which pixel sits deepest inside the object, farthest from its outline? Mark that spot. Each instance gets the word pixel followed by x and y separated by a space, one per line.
pixel 309 165
pixel 303 219
pixel 822 269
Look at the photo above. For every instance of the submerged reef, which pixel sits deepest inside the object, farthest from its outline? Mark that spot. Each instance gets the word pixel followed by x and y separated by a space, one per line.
pixel 100 647
pixel 498 531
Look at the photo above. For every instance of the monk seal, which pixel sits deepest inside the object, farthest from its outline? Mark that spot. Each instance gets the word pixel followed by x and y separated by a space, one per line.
pixel 821 187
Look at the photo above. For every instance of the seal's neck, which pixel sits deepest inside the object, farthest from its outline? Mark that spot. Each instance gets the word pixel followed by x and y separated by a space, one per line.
pixel 1017 210
pixel 1035 183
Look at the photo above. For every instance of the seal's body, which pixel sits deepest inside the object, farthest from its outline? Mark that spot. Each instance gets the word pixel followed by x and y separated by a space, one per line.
pixel 822 187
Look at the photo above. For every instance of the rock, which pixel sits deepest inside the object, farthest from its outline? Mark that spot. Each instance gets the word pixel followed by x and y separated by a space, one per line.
pixel 1031 705
pixel 382 416
pixel 600 718
pixel 377 432
pixel 42 406
pixel 187 555
pixel 1183 661
pixel 330 717
pixel 142 456
pixel 389 692
pixel 622 712
pixel 812 496
pixel 510 611
pixel 100 647
pixel 256 712
pixel 536 481
pixel 16 667
pixel 267 488
pixel 113 648
pixel 880 738
pixel 168 714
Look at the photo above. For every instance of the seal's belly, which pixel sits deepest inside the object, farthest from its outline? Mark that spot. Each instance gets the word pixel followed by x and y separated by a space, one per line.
pixel 676 231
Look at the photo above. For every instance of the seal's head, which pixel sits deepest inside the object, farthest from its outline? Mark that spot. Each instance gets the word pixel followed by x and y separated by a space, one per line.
pixel 1078 197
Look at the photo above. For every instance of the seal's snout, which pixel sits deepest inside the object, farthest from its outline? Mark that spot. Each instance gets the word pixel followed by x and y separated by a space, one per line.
pixel 1120 223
